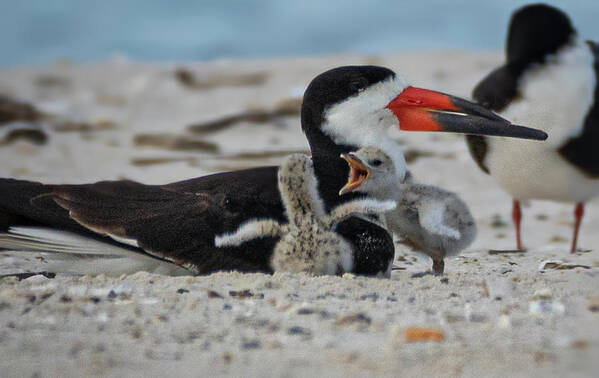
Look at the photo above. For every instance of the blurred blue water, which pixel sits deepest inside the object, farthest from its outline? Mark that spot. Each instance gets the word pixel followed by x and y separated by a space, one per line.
pixel 34 32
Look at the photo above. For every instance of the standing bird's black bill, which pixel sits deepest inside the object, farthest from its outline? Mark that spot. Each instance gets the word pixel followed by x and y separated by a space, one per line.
pixel 475 125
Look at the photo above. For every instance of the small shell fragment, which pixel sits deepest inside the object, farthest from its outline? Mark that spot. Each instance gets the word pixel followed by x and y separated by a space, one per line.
pixel 418 334
pixel 559 265
pixel 546 307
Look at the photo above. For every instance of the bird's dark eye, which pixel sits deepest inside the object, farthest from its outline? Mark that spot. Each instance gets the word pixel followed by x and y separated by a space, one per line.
pixel 375 162
pixel 357 84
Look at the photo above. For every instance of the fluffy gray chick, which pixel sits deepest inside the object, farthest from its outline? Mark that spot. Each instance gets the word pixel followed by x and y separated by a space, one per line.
pixel 429 219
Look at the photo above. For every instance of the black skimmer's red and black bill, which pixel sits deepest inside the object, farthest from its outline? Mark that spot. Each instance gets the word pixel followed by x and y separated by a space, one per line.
pixel 549 81
pixel 343 109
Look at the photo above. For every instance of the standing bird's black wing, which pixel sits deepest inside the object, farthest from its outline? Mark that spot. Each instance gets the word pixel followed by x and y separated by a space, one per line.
pixel 497 90
pixel 494 92
pixel 582 150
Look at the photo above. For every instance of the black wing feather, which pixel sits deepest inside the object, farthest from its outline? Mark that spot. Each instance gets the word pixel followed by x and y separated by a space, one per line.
pixel 179 221
pixel 17 207
pixel 495 92
pixel 582 150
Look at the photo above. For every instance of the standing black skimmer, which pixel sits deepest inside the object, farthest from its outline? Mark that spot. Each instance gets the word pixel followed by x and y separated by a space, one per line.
pixel 343 109
pixel 549 81
pixel 308 243
pixel 429 219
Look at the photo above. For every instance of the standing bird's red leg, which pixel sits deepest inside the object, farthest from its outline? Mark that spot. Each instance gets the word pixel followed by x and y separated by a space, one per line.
pixel 578 214
pixel 517 217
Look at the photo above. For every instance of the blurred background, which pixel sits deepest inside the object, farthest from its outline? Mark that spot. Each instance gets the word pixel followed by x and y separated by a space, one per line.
pixel 36 32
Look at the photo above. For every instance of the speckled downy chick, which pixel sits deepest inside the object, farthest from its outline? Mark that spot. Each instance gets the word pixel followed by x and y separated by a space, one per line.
pixel 430 219
pixel 308 243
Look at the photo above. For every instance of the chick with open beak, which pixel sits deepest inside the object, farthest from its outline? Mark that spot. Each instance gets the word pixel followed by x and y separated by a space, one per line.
pixel 358 173
pixel 308 243
pixel 429 219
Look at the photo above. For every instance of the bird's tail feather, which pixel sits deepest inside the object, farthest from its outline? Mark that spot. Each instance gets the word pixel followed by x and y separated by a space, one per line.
pixel 28 249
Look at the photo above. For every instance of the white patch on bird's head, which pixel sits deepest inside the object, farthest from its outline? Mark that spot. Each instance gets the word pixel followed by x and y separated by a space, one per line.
pixel 364 120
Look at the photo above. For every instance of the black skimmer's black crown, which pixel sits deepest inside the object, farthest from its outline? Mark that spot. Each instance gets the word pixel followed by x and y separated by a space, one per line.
pixel 344 109
pixel 549 81
pixel 536 32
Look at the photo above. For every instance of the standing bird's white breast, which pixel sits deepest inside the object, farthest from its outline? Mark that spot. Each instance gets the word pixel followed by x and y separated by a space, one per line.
pixel 555 97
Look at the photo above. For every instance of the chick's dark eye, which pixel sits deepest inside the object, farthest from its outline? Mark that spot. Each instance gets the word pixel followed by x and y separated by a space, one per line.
pixel 375 162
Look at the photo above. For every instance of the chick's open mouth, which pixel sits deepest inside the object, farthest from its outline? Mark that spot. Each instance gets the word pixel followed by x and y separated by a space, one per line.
pixel 358 173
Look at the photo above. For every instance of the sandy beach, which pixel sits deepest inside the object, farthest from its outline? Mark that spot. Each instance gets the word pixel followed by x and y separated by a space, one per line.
pixel 492 313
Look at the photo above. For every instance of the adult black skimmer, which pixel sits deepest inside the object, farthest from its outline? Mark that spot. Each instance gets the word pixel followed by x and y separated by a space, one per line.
pixel 343 109
pixel 308 243
pixel 431 220
pixel 549 81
